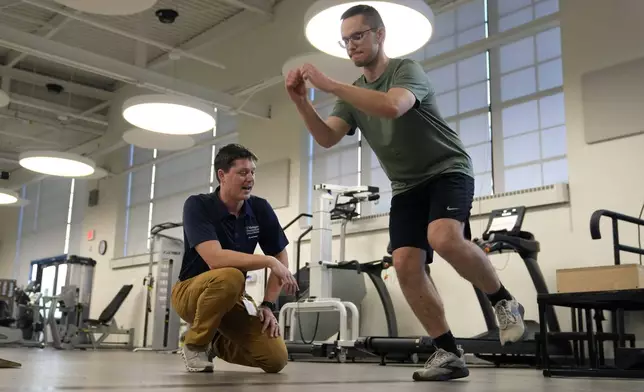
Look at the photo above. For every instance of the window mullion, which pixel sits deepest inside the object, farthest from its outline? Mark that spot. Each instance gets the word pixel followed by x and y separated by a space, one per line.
pixel 496 121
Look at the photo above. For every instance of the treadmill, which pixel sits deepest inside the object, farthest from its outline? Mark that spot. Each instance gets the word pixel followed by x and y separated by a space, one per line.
pixel 503 234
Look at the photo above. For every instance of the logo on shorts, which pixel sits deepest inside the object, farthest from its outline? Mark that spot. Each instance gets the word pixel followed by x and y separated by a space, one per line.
pixel 252 231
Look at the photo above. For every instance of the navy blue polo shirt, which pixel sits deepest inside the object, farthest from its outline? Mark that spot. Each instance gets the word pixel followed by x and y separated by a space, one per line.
pixel 206 218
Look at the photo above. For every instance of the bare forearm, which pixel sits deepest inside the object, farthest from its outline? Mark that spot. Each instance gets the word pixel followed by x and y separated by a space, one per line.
pixel 375 103
pixel 321 132
pixel 273 289
pixel 243 261
pixel 273 286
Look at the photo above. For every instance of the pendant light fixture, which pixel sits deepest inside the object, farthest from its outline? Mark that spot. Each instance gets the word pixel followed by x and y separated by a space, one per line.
pixel 56 163
pixel 156 141
pixel 8 196
pixel 109 7
pixel 409 25
pixel 169 114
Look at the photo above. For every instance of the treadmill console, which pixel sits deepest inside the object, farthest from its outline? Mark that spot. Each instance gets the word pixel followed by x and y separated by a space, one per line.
pixel 506 221
pixel 347 198
pixel 504 232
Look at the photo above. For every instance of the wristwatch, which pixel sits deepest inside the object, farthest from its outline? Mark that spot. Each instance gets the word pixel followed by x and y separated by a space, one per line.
pixel 267 304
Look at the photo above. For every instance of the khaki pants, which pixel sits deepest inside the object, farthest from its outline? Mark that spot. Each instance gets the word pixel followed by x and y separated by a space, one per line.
pixel 212 304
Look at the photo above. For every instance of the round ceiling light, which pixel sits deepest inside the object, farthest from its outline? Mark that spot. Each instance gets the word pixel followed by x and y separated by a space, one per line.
pixel 8 196
pixel 111 7
pixel 150 140
pixel 99 173
pixel 4 99
pixel 338 69
pixel 409 25
pixel 55 163
pixel 169 114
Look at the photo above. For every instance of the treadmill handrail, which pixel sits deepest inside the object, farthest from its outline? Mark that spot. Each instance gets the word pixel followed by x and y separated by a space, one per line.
pixel 297 218
pixel 522 244
pixel 595 232
pixel 156 229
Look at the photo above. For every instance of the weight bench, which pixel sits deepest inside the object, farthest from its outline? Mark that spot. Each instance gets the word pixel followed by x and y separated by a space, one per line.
pixel 106 325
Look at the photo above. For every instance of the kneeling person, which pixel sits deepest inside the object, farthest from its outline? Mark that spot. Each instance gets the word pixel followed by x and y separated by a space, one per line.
pixel 221 232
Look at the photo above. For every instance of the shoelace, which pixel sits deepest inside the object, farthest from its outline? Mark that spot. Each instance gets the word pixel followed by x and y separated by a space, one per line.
pixel 436 357
pixel 504 314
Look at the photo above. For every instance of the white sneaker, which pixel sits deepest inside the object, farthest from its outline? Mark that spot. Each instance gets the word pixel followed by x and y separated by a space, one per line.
pixel 443 366
pixel 510 316
pixel 196 361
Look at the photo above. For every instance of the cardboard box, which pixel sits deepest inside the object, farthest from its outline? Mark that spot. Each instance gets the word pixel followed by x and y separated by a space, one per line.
pixel 602 278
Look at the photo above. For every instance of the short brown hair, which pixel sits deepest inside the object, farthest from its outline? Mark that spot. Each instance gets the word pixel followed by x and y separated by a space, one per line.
pixel 228 154
pixel 371 15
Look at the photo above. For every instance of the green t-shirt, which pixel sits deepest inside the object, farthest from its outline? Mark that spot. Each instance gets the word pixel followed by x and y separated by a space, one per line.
pixel 415 146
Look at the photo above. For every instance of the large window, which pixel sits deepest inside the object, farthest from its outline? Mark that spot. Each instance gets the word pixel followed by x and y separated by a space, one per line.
pixel 139 194
pixel 458 27
pixel 463 97
pixel 50 225
pixel 340 164
pixel 176 179
pixel 160 182
pixel 504 100
pixel 530 136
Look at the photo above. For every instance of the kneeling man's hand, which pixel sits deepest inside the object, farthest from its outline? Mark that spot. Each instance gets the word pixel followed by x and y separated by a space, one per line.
pixel 269 321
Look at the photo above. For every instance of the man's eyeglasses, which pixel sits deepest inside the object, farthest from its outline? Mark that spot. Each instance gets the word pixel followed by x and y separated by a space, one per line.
pixel 355 38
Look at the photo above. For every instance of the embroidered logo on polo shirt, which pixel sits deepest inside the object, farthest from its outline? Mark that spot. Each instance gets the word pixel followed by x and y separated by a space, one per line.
pixel 252 231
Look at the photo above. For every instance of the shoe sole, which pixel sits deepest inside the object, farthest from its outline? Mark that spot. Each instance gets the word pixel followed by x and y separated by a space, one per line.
pixel 456 374
pixel 207 369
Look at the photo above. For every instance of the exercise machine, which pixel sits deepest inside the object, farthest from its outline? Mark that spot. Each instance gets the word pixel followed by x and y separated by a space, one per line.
pixel 65 283
pixel 27 328
pixel 106 326
pixel 628 361
pixel 167 252
pixel 52 273
pixel 503 234
pixel 64 329
pixel 328 288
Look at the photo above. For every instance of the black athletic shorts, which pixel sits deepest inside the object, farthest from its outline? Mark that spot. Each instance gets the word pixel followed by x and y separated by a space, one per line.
pixel 446 196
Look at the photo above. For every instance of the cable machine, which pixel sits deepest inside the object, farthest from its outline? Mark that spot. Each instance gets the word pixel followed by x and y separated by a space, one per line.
pixel 167 252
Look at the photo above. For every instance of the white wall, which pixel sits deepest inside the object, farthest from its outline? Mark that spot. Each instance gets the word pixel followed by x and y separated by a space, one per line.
pixel 8 236
pixel 601 176
pixel 104 219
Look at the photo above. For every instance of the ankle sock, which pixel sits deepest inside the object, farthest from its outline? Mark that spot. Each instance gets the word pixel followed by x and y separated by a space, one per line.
pixel 447 342
pixel 500 295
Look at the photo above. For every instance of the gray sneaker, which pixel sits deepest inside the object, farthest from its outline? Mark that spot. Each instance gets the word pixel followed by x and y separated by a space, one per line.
pixel 510 317
pixel 443 366
pixel 196 361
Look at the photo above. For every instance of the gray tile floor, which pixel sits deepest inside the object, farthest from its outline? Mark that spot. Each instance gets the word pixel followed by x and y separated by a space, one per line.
pixel 51 370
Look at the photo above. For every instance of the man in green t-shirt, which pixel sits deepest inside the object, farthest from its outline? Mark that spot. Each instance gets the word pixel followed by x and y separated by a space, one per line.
pixel 393 104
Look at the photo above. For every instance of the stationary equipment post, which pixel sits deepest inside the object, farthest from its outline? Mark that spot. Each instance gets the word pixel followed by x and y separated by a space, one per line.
pixel 320 297
pixel 321 246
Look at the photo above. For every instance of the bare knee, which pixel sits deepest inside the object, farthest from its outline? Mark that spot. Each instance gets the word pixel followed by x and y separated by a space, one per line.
pixel 445 236
pixel 409 263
